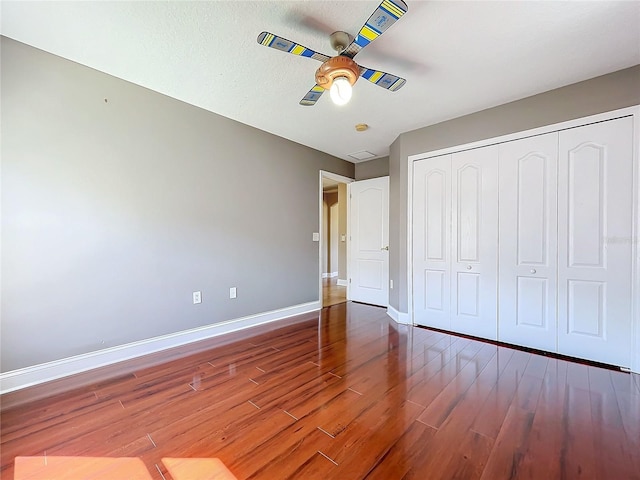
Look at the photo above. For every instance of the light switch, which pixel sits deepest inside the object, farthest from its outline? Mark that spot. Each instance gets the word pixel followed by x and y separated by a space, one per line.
pixel 316 237
pixel 343 238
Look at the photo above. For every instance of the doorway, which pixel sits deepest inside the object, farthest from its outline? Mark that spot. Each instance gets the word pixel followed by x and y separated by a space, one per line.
pixel 333 238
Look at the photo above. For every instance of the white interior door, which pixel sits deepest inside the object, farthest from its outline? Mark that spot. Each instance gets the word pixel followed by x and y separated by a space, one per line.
pixel 432 242
pixel 369 241
pixel 528 242
pixel 474 242
pixel 595 198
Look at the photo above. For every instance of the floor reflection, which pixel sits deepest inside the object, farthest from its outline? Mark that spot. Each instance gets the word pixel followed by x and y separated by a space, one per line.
pixel 103 468
pixel 197 469
pixel 80 468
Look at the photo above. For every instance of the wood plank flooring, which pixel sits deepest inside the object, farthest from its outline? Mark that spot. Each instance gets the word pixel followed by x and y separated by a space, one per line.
pixel 332 293
pixel 348 395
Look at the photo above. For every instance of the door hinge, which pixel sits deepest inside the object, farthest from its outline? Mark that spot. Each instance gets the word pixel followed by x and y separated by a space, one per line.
pixel 349 280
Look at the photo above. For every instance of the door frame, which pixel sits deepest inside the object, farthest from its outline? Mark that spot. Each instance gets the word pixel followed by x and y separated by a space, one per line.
pixel 321 243
pixel 633 111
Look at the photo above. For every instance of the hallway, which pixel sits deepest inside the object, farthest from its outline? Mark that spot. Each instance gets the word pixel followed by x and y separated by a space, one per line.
pixel 332 293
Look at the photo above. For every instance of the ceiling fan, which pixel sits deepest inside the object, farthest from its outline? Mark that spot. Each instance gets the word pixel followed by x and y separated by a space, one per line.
pixel 338 74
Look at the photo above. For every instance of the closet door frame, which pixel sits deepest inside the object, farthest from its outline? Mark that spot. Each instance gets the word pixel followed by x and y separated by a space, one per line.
pixel 635 239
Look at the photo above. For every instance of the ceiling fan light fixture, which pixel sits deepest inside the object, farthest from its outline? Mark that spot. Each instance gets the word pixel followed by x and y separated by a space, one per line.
pixel 338 74
pixel 342 65
pixel 341 91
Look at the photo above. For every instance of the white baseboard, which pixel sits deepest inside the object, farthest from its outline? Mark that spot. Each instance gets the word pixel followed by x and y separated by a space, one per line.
pixel 399 317
pixel 342 283
pixel 45 372
pixel 330 275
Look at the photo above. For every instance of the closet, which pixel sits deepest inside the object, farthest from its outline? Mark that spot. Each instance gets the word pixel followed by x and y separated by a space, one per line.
pixel 529 241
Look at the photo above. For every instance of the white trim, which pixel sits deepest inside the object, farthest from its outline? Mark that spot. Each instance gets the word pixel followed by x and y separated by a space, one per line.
pixel 579 122
pixel 635 235
pixel 409 292
pixel 341 179
pixel 342 283
pixel 330 275
pixel 399 317
pixel 348 242
pixel 336 177
pixel 45 372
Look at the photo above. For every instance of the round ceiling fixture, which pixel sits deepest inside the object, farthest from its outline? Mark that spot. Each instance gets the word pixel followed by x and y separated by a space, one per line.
pixel 362 127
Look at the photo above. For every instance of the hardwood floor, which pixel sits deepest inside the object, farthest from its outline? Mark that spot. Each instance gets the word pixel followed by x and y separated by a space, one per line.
pixel 348 395
pixel 332 293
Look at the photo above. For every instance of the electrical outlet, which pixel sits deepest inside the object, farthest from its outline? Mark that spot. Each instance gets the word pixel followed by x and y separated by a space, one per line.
pixel 233 292
pixel 391 284
pixel 197 297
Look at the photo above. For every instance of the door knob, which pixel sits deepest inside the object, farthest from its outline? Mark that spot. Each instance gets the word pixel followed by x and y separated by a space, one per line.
pixel 385 248
pixel 533 270
pixel 468 267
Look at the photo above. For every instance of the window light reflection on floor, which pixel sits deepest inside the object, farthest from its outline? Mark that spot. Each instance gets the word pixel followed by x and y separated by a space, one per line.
pixel 106 468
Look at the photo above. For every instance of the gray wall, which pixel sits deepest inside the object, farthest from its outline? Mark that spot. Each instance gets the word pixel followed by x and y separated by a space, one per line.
pixel 372 169
pixel 114 212
pixel 601 94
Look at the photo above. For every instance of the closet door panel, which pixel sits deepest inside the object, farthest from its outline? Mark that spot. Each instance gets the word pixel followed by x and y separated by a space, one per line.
pixel 432 242
pixel 528 242
pixel 474 239
pixel 595 179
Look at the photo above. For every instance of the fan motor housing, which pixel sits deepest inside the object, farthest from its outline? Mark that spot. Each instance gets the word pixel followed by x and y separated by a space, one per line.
pixel 339 66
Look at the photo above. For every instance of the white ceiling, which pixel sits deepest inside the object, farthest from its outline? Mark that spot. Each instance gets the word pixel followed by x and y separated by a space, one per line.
pixel 457 57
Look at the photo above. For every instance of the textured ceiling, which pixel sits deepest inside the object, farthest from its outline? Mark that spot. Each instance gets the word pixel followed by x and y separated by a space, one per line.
pixel 457 57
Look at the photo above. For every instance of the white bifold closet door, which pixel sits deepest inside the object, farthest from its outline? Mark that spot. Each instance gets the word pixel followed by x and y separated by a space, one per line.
pixel 595 205
pixel 528 242
pixel 474 242
pixel 455 239
pixel 432 242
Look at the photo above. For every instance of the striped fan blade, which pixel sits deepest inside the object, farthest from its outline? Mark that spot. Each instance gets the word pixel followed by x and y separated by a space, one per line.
pixel 273 41
pixel 387 13
pixel 382 79
pixel 312 96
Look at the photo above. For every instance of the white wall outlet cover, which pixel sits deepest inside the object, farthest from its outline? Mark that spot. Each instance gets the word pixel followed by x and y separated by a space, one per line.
pixel 316 237
pixel 391 284
pixel 197 297
pixel 233 293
